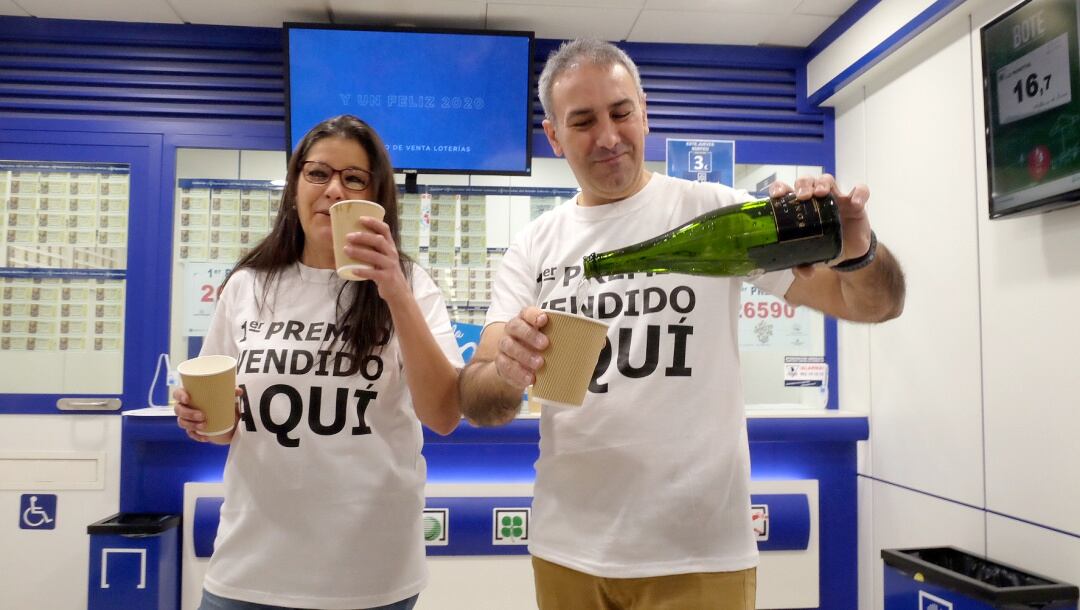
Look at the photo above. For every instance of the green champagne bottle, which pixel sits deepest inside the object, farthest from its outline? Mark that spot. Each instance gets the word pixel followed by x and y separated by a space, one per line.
pixel 736 240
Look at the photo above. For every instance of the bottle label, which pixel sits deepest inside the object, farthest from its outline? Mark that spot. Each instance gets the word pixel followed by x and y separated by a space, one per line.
pixel 796 219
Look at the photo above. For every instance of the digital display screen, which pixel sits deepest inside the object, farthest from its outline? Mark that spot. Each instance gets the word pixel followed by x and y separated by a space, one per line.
pixel 1031 75
pixel 443 101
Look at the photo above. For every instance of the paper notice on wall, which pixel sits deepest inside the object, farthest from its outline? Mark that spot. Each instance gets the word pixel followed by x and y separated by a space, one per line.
pixel 201 283
pixel 767 322
pixel 805 371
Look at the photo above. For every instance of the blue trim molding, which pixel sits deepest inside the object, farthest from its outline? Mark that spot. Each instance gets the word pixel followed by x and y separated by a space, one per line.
pixel 482 525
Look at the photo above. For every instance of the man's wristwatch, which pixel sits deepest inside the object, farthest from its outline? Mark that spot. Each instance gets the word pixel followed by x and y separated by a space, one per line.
pixel 853 264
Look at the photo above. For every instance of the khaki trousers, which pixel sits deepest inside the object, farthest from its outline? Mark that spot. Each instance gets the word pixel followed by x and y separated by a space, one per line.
pixel 560 588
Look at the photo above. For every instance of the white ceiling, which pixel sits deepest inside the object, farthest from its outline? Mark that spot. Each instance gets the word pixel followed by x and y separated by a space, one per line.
pixel 745 22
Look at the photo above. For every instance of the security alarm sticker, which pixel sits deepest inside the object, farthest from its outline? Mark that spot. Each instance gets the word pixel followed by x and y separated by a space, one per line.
pixel 805 371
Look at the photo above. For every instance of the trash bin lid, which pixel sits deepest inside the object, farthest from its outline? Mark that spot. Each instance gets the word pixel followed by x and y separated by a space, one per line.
pixel 973 575
pixel 128 524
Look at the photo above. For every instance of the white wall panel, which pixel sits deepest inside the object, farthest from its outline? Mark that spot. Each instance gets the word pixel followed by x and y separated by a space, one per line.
pixel 907 519
pixel 262 165
pixel 853 340
pixel 207 163
pixel 1031 283
pixel 1034 549
pixel 50 568
pixel 925 380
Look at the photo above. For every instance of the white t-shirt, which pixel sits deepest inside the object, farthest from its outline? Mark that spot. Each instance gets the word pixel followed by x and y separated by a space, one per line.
pixel 650 476
pixel 324 483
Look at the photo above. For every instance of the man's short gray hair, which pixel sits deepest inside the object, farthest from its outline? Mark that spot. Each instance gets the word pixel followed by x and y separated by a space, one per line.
pixel 596 52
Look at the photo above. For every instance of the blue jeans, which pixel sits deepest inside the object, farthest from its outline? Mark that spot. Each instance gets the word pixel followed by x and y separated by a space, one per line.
pixel 213 602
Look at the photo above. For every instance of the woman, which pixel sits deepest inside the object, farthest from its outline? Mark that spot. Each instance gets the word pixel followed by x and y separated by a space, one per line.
pixel 324 479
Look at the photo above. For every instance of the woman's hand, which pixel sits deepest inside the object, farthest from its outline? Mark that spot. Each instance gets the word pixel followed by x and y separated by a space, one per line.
pixel 376 248
pixel 193 421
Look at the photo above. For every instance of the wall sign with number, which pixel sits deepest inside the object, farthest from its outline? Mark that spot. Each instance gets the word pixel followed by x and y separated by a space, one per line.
pixel 201 282
pixel 702 160
pixel 1031 65
pixel 1036 82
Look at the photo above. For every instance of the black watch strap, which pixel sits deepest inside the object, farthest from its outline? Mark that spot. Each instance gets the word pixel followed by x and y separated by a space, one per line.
pixel 853 264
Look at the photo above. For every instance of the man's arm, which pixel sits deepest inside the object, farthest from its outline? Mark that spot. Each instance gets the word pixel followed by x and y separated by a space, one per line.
pixel 874 293
pixel 504 364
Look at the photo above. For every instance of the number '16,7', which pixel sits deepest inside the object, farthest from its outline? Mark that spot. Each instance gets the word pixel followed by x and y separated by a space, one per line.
pixel 1030 86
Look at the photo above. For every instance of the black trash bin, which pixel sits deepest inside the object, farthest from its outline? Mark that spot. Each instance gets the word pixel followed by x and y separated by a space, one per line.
pixel 134 562
pixel 947 578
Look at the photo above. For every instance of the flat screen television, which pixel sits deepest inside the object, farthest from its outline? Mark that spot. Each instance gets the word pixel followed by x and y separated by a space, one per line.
pixel 444 101
pixel 1031 98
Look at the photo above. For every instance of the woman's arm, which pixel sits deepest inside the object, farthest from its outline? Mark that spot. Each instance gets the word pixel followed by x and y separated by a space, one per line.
pixel 432 379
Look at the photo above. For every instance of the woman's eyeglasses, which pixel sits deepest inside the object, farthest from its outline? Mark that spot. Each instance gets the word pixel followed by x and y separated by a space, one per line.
pixel 352 178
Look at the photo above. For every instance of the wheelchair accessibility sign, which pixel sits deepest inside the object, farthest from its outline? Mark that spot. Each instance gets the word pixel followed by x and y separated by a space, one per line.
pixel 37 512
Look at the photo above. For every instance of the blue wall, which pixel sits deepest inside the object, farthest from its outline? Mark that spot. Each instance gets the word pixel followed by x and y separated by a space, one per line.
pixel 183 78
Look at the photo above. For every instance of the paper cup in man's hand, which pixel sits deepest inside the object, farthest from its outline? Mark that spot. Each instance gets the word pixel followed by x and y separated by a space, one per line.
pixel 345 218
pixel 574 346
pixel 211 383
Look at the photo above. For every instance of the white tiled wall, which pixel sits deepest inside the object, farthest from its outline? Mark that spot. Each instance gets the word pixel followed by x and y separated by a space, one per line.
pixel 972 405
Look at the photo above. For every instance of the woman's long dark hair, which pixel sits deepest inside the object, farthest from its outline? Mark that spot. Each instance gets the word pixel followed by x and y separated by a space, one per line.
pixel 362 314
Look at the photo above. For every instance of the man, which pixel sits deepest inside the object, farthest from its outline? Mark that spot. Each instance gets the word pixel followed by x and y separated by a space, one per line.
pixel 642 493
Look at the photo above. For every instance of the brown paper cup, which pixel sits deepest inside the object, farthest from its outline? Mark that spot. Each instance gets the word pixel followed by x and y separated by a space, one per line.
pixel 575 343
pixel 345 218
pixel 211 382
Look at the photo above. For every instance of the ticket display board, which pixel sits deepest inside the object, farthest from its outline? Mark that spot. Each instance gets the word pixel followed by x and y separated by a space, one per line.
pixel 220 220
pixel 445 229
pixel 62 272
